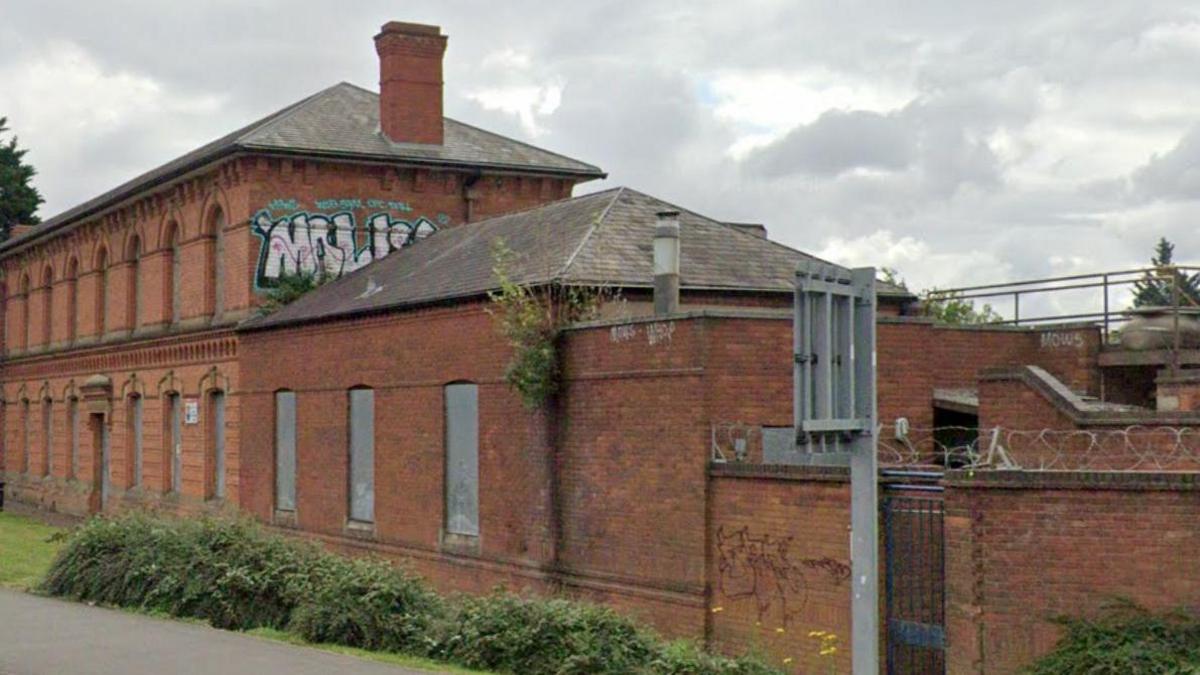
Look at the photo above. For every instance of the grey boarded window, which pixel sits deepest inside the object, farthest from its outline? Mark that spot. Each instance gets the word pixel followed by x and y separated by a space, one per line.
pixel 462 459
pixel 175 436
pixel 362 455
pixel 217 398
pixel 135 433
pixel 47 435
pixel 73 413
pixel 285 450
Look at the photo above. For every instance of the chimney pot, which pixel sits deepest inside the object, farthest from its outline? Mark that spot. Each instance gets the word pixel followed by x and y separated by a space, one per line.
pixel 410 82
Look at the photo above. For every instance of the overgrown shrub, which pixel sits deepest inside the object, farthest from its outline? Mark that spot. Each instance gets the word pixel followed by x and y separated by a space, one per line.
pixel 516 634
pixel 227 572
pixel 1124 639
pixel 369 604
pixel 234 574
pixel 684 657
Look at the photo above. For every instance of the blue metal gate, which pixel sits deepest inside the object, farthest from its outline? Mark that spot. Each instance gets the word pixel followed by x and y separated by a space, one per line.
pixel 915 576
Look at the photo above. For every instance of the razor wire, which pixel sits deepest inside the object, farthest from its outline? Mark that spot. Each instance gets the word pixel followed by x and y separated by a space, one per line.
pixel 900 445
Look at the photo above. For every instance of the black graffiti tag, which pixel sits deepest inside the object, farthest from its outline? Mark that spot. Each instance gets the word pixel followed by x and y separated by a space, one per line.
pixel 759 567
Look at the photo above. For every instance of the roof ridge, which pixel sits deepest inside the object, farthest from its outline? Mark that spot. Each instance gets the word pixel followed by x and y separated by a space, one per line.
pixel 603 173
pixel 285 113
pixel 725 225
pixel 617 192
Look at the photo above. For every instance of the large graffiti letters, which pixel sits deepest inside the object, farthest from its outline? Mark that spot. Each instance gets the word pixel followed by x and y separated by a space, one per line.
pixel 333 243
pixel 759 567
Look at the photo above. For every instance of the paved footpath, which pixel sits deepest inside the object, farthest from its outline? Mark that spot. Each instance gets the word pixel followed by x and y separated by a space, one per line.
pixel 46 636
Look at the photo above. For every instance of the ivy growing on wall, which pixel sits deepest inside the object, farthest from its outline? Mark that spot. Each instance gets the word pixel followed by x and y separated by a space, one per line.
pixel 532 319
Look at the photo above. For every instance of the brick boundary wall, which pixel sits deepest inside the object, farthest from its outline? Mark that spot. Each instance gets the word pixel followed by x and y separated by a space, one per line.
pixel 1025 546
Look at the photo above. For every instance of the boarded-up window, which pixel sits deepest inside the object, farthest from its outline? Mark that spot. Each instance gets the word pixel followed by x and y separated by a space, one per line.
pixel 73 415
pixel 175 438
pixel 217 401
pixel 362 455
pixel 462 459
pixel 26 421
pixel 135 439
pixel 285 450
pixel 47 436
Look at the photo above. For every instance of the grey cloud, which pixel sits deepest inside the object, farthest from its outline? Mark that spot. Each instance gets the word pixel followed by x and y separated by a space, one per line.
pixel 1174 175
pixel 836 142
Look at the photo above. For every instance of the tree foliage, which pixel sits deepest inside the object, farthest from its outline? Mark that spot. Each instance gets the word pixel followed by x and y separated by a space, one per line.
pixel 532 318
pixel 19 200
pixel 1154 289
pixel 945 307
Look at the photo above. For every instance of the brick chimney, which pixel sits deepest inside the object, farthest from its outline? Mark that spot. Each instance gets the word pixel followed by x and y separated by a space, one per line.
pixel 410 82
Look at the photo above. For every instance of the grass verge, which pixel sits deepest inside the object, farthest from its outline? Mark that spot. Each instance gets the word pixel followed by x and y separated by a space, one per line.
pixel 26 550
pixel 413 662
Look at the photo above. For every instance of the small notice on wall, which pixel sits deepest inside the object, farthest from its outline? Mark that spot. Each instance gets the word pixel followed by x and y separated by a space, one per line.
pixel 191 411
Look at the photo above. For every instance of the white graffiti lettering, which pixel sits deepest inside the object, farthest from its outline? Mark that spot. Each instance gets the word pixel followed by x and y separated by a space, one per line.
pixel 334 244
pixel 622 333
pixel 1061 340
pixel 659 333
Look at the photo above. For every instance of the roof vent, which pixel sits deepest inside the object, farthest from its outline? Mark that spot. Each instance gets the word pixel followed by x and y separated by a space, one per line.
pixel 666 263
pixel 373 287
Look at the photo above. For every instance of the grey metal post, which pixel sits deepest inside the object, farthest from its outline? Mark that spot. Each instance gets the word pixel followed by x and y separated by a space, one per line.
pixel 837 407
pixel 864 496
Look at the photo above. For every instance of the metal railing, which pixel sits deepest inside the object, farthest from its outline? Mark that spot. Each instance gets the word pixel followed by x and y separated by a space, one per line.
pixel 1104 284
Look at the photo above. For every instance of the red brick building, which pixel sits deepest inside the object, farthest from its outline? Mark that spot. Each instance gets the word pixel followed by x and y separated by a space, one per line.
pixel 373 413
pixel 119 314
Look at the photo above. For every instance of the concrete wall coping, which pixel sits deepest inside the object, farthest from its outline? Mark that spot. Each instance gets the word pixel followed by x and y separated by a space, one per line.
pixel 709 313
pixel 822 474
pixel 1178 481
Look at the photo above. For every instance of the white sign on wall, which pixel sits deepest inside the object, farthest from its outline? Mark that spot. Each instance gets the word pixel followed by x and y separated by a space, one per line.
pixel 191 411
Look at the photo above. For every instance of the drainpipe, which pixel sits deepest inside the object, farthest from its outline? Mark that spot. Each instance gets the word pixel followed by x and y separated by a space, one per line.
pixel 666 263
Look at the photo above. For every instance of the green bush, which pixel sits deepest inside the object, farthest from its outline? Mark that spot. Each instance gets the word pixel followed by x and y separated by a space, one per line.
pixel 369 604
pixel 234 574
pixel 227 572
pixel 684 657
pixel 515 634
pixel 1124 639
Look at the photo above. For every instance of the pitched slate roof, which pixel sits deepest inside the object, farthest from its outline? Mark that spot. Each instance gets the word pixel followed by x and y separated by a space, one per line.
pixel 601 238
pixel 339 122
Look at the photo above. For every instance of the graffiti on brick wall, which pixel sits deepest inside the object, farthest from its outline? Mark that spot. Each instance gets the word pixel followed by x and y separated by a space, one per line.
pixel 657 333
pixel 335 243
pixel 761 568
pixel 1062 340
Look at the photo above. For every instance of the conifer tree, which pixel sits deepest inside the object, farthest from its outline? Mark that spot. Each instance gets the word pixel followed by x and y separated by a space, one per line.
pixel 19 200
pixel 1154 288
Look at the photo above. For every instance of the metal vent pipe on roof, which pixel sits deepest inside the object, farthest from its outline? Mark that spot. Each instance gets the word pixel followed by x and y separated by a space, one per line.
pixel 666 263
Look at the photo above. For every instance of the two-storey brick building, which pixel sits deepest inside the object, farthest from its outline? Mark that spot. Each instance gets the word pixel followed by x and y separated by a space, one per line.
pixel 121 370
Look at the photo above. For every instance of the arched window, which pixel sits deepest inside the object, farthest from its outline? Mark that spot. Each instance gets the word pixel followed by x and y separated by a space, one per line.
pixel 101 292
pixel 133 440
pixel 173 437
pixel 173 268
pixel 47 305
pixel 462 458
pixel 72 300
pixel 216 267
pixel 73 422
pixel 216 435
pixel 25 311
pixel 361 419
pixel 133 258
pixel 285 450
pixel 47 436
pixel 26 422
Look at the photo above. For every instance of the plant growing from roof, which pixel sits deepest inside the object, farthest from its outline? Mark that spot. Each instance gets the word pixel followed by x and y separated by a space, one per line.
pixel 532 318
pixel 290 287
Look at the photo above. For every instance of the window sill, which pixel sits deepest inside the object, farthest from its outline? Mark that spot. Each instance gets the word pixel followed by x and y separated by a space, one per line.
pixel 284 518
pixel 462 544
pixel 359 529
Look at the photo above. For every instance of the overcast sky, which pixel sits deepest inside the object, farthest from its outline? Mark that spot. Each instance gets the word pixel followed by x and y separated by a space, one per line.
pixel 959 142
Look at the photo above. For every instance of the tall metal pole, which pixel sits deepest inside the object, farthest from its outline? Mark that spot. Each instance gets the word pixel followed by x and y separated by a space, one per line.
pixel 864 489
